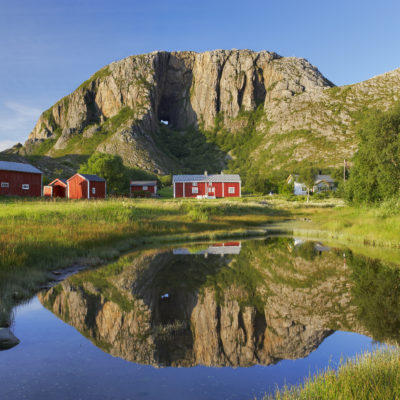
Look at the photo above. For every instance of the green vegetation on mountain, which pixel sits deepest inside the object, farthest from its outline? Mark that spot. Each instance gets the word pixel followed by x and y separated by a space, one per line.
pixel 375 174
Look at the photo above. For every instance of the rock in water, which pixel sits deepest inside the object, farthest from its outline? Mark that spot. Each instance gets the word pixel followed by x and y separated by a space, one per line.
pixel 7 339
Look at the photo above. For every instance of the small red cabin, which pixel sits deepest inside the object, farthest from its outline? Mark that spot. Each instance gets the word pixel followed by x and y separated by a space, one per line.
pixel 145 188
pixel 57 188
pixel 18 179
pixel 85 186
pixel 207 186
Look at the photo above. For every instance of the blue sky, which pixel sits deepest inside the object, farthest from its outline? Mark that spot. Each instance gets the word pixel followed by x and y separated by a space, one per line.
pixel 48 48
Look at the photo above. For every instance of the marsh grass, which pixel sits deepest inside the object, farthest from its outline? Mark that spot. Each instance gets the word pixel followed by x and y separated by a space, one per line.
pixel 53 234
pixel 374 226
pixel 373 375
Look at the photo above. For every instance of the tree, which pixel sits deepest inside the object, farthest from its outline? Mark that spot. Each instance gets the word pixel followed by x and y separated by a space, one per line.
pixel 109 167
pixel 307 178
pixel 375 175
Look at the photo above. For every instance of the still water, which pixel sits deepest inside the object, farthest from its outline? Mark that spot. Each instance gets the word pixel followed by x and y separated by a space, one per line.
pixel 212 321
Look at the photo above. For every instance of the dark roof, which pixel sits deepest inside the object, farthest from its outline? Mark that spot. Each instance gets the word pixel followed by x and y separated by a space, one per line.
pixel 322 178
pixel 88 177
pixel 18 167
pixel 93 178
pixel 143 183
pixel 207 178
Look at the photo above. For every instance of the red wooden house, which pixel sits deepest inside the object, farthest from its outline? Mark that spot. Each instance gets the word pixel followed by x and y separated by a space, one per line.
pixel 85 186
pixel 207 186
pixel 18 179
pixel 57 188
pixel 148 188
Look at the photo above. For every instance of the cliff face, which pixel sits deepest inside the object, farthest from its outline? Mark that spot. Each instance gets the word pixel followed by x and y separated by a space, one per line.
pixel 120 107
pixel 163 309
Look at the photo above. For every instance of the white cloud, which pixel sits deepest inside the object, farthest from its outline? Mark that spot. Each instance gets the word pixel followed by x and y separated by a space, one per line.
pixel 16 122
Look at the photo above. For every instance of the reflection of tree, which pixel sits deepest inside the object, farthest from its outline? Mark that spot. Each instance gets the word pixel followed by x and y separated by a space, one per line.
pixel 376 293
pixel 306 250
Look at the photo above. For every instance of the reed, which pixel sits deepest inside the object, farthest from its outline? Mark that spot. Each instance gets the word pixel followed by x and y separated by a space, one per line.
pixel 373 375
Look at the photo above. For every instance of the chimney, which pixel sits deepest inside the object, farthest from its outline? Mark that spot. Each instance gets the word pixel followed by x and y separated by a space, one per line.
pixel 205 173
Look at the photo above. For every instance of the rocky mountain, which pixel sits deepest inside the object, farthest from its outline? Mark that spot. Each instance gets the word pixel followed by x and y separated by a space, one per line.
pixel 282 108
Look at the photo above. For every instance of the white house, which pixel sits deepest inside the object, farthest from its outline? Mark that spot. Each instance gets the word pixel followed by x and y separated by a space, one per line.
pixel 322 183
pixel 298 187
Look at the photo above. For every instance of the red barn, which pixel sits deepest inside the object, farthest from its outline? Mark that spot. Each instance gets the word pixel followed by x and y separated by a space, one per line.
pixel 18 179
pixel 57 188
pixel 208 186
pixel 85 186
pixel 144 187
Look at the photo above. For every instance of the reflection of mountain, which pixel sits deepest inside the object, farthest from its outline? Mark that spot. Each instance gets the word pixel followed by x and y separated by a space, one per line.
pixel 258 307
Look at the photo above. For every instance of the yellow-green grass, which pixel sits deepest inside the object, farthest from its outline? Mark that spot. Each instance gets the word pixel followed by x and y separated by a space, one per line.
pixel 376 226
pixel 373 375
pixel 54 234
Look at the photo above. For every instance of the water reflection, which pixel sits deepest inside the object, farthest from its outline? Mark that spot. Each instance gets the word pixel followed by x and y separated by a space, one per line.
pixel 237 304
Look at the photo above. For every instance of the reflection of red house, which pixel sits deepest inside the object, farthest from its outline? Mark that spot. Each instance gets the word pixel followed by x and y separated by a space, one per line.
pixel 214 186
pixel 143 188
pixel 215 249
pixel 18 179
pixel 84 186
pixel 57 188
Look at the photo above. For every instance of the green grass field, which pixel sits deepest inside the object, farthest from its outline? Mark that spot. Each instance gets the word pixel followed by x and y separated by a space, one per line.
pixel 369 376
pixel 373 226
pixel 45 233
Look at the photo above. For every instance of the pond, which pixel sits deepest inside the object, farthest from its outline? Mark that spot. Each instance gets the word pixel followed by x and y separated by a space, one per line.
pixel 229 320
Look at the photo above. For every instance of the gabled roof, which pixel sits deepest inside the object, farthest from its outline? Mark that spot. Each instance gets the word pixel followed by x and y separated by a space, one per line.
pixel 207 178
pixel 88 177
pixel 324 178
pixel 19 167
pixel 58 180
pixel 143 183
pixel 318 179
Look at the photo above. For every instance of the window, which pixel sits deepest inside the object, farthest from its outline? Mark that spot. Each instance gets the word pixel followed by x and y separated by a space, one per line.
pixel 212 189
pixel 93 190
pixel 145 188
pixel 25 186
pixel 194 184
pixel 5 184
pixel 195 190
pixel 231 190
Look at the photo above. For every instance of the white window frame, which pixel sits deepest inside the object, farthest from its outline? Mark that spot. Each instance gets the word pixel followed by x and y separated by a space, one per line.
pixel 194 183
pixel 5 185
pixel 145 188
pixel 212 189
pixel 93 190
pixel 25 186
pixel 195 190
pixel 231 189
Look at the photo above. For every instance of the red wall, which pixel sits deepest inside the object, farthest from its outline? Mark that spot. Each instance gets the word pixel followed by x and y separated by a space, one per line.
pixel 47 191
pixel 100 188
pixel 227 185
pixel 77 188
pixel 59 190
pixel 138 188
pixel 17 179
pixel 220 189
